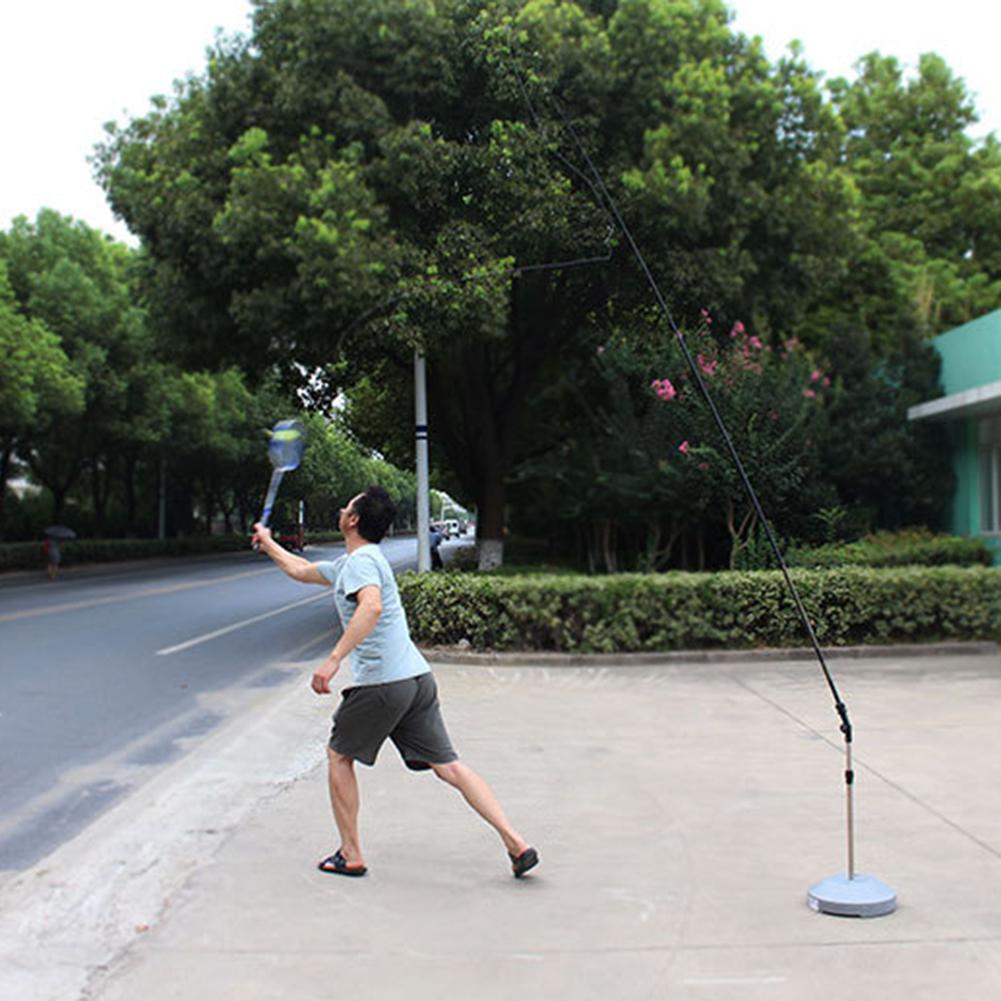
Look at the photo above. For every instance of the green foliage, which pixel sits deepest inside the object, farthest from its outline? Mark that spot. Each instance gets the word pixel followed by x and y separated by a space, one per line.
pixel 678 611
pixel 915 546
pixel 884 470
pixel 930 199
pixel 38 389
pixel 641 464
pixel 70 288
pixel 358 179
pixel 99 413
pixel 30 555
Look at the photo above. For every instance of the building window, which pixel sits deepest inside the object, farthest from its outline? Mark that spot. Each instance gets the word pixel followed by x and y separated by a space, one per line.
pixel 990 476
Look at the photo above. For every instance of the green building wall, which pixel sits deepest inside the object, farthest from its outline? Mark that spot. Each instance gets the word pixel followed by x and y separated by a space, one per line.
pixel 971 354
pixel 971 357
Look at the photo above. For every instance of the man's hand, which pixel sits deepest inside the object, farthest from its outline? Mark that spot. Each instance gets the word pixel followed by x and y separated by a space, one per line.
pixel 323 674
pixel 262 534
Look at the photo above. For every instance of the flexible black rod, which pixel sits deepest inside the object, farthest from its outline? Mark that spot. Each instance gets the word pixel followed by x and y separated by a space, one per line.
pixel 513 272
pixel 611 207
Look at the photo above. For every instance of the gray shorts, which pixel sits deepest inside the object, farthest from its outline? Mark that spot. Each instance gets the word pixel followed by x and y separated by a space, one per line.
pixel 407 712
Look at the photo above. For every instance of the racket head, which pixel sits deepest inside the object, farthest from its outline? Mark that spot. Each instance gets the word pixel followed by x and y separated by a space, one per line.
pixel 286 445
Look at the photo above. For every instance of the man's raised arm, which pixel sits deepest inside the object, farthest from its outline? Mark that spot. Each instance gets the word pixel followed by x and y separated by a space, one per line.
pixel 295 566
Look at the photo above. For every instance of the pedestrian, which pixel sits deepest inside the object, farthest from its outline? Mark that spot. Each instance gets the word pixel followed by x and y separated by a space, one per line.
pixel 393 692
pixel 53 556
pixel 436 563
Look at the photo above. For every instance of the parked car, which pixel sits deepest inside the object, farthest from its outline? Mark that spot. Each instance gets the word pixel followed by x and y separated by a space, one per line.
pixel 293 539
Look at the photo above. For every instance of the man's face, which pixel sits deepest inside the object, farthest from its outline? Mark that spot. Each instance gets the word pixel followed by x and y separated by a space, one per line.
pixel 348 518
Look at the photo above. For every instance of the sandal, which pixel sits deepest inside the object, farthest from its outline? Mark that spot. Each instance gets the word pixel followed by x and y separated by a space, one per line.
pixel 520 864
pixel 338 865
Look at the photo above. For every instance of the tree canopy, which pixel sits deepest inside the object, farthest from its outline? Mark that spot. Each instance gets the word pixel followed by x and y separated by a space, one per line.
pixel 98 413
pixel 353 181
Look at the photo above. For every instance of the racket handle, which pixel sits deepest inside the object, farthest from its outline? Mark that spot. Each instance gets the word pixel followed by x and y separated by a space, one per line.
pixel 269 501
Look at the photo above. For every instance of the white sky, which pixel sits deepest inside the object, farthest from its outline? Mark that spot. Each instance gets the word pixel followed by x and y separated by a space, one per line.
pixel 69 66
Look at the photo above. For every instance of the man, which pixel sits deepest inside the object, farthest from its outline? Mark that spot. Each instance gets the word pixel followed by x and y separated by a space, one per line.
pixel 436 540
pixel 394 693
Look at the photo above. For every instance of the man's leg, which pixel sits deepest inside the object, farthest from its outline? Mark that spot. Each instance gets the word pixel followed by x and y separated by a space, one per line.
pixel 345 802
pixel 481 798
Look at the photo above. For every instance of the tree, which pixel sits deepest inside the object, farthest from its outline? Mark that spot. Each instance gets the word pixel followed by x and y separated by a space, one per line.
pixel 357 180
pixel 638 465
pixel 74 282
pixel 888 472
pixel 931 200
pixel 38 389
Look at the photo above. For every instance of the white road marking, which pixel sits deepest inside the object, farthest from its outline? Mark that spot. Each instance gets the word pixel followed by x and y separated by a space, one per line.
pixel 187 644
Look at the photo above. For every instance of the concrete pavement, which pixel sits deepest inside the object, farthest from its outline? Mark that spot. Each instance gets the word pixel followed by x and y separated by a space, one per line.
pixel 681 810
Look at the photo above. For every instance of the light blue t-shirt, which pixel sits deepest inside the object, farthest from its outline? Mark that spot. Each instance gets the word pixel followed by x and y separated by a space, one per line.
pixel 387 653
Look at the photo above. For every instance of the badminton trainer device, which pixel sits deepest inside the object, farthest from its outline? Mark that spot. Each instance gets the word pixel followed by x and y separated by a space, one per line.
pixel 285 448
pixel 851 894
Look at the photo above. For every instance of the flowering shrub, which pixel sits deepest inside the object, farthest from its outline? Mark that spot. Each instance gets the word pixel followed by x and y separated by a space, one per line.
pixel 769 402
pixel 640 474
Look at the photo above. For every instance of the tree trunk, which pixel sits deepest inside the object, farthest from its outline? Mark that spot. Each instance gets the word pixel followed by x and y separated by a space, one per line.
pixel 209 508
pixel 738 533
pixel 100 491
pixel 608 534
pixel 6 457
pixel 130 495
pixel 490 520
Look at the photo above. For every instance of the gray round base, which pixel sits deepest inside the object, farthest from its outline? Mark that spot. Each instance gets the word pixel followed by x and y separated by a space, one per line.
pixel 858 897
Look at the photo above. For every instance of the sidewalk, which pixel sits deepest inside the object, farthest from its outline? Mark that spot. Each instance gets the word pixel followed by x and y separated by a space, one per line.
pixel 681 810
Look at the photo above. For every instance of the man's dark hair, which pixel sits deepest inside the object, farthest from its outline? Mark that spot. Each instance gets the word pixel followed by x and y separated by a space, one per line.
pixel 376 511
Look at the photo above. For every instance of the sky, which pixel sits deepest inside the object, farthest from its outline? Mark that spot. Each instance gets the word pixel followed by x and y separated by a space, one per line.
pixel 67 67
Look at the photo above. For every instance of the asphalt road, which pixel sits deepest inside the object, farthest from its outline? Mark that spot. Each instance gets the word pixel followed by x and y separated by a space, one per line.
pixel 106 675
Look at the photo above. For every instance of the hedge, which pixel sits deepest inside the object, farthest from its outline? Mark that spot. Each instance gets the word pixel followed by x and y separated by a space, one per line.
pixel 895 549
pixel 30 556
pixel 683 611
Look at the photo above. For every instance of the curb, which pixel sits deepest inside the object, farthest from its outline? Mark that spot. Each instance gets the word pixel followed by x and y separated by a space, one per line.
pixel 455 655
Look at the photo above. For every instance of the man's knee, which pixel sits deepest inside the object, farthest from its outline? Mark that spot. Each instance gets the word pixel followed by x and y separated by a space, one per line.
pixel 339 761
pixel 451 772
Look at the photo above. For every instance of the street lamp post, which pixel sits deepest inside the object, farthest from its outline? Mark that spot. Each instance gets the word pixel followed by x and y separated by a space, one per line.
pixel 421 435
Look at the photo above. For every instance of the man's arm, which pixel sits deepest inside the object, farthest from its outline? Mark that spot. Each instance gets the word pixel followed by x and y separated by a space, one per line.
pixel 295 566
pixel 366 615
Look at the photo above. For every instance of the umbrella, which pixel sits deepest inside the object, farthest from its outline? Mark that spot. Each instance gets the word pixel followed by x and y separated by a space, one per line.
pixel 60 532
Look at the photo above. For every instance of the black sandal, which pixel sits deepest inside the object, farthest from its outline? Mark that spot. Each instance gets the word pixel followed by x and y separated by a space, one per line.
pixel 338 865
pixel 520 864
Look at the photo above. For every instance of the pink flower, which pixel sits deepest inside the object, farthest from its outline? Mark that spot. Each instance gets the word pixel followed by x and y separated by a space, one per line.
pixel 792 344
pixel 809 394
pixel 664 389
pixel 826 381
pixel 737 329
pixel 706 315
pixel 815 375
pixel 704 466
pixel 755 342
pixel 683 447
pixel 708 367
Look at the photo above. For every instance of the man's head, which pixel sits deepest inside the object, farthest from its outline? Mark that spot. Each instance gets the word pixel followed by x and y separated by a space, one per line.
pixel 369 514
